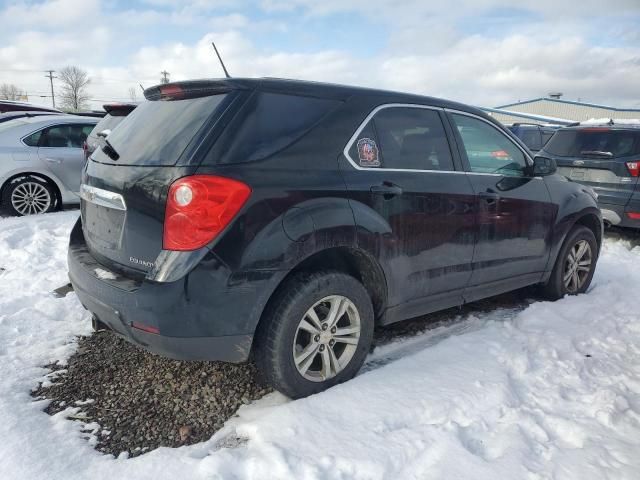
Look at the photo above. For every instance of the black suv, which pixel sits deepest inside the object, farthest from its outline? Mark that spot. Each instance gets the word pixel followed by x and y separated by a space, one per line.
pixel 282 220
pixel 606 158
pixel 534 136
pixel 116 112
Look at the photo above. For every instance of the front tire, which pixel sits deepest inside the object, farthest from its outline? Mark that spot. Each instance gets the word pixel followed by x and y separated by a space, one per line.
pixel 316 333
pixel 575 264
pixel 28 195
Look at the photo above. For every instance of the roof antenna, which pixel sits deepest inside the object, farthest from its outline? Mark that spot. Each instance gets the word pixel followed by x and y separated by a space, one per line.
pixel 226 74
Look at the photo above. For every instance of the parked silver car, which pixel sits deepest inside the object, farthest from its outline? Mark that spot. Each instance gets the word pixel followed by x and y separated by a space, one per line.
pixel 41 161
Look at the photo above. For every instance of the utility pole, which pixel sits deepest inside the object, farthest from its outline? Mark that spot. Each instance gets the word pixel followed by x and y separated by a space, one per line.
pixel 51 77
pixel 165 76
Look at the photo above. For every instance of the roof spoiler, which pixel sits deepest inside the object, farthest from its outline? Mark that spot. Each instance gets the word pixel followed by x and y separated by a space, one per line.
pixel 188 89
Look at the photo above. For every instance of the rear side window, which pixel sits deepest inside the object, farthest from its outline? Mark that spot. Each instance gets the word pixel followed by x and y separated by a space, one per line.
pixel 594 142
pixel 157 132
pixel 268 123
pixel 60 136
pixel 405 138
pixel 531 138
pixel 108 122
pixel 488 150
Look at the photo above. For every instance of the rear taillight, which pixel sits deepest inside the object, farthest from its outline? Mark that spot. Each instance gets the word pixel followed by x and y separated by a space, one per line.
pixel 85 149
pixel 499 154
pixel 199 208
pixel 634 168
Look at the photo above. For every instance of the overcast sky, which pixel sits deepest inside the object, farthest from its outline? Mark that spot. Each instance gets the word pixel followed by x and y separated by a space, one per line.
pixel 483 52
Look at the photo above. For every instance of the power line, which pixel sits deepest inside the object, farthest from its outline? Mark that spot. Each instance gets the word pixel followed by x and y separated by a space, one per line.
pixel 51 77
pixel 165 76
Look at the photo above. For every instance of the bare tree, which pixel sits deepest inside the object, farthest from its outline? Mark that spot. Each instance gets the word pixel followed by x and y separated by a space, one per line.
pixel 8 91
pixel 73 94
pixel 133 94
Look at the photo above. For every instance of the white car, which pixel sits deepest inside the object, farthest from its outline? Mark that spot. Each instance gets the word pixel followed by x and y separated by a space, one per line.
pixel 41 161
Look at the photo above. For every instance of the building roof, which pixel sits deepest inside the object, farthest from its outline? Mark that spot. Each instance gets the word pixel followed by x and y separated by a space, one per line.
pixel 529 116
pixel 570 102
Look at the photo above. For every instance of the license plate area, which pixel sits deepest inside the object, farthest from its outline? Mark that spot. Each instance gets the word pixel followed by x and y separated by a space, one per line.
pixel 579 174
pixel 103 217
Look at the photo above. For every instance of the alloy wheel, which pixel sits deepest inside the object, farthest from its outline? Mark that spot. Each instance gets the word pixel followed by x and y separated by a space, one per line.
pixel 30 198
pixel 326 338
pixel 577 266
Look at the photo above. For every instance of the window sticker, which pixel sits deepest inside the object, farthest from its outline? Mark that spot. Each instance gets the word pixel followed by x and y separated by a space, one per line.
pixel 368 153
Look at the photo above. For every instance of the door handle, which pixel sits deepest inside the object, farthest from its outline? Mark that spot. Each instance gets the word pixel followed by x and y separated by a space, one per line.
pixel 52 160
pixel 387 189
pixel 490 198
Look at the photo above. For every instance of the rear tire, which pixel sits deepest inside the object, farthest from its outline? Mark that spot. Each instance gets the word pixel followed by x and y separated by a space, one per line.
pixel 575 264
pixel 28 195
pixel 315 334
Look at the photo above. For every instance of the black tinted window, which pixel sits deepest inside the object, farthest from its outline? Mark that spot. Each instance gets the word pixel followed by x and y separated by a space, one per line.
pixel 488 149
pixel 596 142
pixel 64 136
pixel 531 138
pixel 403 138
pixel 268 123
pixel 108 122
pixel 157 132
pixel 33 139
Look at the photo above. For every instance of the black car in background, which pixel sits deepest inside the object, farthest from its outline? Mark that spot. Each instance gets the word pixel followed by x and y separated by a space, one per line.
pixel 534 136
pixel 13 106
pixel 116 112
pixel 605 157
pixel 282 220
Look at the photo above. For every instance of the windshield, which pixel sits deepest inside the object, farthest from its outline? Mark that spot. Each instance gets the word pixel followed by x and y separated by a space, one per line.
pixel 157 132
pixel 596 142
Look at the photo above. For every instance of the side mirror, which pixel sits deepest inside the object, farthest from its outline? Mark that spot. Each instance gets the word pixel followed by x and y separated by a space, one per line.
pixel 543 166
pixel 104 133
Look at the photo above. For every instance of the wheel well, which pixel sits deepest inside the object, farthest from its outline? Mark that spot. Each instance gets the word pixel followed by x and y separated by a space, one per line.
pixel 592 222
pixel 51 183
pixel 350 261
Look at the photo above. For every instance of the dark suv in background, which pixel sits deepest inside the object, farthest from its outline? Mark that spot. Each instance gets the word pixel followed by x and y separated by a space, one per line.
pixel 116 112
pixel 534 136
pixel 607 158
pixel 282 220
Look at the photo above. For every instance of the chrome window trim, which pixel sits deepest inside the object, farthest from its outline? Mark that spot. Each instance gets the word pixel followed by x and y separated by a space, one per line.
pixel 101 197
pixel 354 137
pixel 527 157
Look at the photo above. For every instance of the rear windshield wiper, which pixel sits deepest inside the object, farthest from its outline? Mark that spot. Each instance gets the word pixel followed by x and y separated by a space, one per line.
pixel 110 151
pixel 598 153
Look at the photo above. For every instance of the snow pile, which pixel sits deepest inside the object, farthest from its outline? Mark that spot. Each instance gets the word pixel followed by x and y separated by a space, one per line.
pixel 552 391
pixel 616 121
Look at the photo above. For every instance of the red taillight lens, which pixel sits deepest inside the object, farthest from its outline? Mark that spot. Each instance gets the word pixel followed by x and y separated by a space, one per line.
pixel 499 154
pixel 633 215
pixel 199 208
pixel 634 168
pixel 85 149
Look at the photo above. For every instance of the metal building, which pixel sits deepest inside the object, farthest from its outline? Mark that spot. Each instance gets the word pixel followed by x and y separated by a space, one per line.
pixel 554 107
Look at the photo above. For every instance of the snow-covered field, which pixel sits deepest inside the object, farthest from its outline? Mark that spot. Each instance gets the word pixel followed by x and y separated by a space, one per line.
pixel 552 391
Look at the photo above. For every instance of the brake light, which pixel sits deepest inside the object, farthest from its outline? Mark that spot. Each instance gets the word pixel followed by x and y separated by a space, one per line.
pixel 198 208
pixel 171 92
pixel 634 168
pixel 499 154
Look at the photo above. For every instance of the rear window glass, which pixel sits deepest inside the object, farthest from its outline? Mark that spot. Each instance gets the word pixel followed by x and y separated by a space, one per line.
pixel 157 132
pixel 108 122
pixel 268 123
pixel 594 143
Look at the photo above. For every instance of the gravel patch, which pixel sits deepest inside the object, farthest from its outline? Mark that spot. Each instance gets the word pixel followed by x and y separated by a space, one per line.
pixel 142 401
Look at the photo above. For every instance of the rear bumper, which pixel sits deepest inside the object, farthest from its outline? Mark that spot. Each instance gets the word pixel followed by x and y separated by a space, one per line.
pixel 617 215
pixel 182 319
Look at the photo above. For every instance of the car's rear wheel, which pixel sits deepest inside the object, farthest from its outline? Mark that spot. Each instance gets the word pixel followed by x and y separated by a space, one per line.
pixel 575 265
pixel 28 195
pixel 317 333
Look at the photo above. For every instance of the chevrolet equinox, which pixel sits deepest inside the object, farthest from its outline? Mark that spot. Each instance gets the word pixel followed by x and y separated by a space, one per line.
pixel 282 221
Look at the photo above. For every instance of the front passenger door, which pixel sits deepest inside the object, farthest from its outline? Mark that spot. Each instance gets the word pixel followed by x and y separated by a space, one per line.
pixel 60 149
pixel 514 209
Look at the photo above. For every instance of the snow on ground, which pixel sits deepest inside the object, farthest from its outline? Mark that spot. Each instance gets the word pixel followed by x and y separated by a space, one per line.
pixel 551 391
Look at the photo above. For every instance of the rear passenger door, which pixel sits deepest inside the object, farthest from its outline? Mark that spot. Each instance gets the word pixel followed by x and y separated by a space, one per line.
pixel 515 212
pixel 60 149
pixel 413 210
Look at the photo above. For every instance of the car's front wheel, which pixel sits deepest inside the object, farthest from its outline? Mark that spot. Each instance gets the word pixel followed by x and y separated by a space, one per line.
pixel 317 333
pixel 575 265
